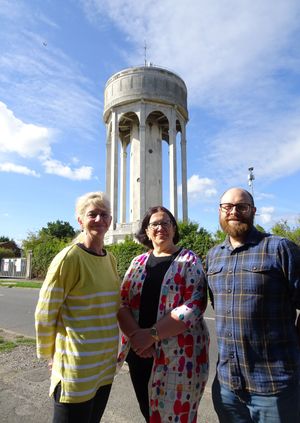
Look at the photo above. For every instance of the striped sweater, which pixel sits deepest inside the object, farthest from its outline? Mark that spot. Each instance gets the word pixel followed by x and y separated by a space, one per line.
pixel 76 322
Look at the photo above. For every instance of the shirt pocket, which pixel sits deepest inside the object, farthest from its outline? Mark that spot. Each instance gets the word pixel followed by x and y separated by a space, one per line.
pixel 257 278
pixel 215 277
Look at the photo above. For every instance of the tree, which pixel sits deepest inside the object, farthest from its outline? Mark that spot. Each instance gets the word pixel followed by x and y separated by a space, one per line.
pixel 195 238
pixel 4 238
pixel 282 229
pixel 124 252
pixel 46 243
pixel 58 229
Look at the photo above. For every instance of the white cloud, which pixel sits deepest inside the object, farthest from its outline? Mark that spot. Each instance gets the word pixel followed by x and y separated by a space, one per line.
pixel 236 59
pixel 55 167
pixel 11 167
pixel 200 188
pixel 27 140
pixel 265 214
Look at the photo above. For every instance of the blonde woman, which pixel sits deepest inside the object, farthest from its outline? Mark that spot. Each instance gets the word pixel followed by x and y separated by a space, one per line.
pixel 76 323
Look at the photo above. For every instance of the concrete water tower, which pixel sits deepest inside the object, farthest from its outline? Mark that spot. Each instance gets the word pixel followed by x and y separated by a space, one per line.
pixel 143 107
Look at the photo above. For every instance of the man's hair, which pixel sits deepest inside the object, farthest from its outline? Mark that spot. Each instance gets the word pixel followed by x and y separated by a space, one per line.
pixel 242 189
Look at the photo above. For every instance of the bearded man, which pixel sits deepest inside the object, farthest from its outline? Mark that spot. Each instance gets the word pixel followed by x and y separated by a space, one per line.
pixel 254 279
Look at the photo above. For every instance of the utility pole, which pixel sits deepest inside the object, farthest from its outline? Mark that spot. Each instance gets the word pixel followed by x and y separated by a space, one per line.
pixel 251 178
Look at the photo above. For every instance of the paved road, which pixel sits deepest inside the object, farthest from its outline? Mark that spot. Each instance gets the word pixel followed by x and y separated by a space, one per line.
pixel 17 307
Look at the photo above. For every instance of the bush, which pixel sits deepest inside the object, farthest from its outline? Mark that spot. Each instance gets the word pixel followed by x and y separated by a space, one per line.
pixel 124 253
pixel 6 253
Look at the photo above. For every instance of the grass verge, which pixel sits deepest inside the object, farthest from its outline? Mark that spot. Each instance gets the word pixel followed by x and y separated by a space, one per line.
pixel 12 283
pixel 10 344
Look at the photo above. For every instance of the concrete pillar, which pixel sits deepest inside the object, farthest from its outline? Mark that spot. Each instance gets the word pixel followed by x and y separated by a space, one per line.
pixel 142 161
pixel 184 175
pixel 114 169
pixel 108 159
pixel 173 164
pixel 123 181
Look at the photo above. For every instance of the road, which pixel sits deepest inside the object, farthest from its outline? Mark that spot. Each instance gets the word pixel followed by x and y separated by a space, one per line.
pixel 17 307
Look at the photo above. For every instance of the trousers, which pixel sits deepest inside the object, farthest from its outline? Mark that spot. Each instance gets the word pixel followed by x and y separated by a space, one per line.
pixel 140 372
pixel 88 411
pixel 244 407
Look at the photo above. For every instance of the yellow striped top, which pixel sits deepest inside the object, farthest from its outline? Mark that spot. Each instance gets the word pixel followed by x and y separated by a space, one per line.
pixel 76 322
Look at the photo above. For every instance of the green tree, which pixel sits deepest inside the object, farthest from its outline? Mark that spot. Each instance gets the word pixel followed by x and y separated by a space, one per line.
pixel 6 253
pixel 195 238
pixel 58 229
pixel 282 229
pixel 46 243
pixel 124 252
pixel 4 238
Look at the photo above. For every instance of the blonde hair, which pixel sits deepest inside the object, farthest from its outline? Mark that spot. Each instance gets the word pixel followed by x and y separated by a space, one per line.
pixel 97 199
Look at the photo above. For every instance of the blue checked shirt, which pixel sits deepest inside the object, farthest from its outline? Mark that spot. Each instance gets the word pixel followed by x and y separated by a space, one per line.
pixel 256 291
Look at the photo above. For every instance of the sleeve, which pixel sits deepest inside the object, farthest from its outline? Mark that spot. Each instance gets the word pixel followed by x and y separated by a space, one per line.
pixel 60 278
pixel 126 284
pixel 194 292
pixel 290 261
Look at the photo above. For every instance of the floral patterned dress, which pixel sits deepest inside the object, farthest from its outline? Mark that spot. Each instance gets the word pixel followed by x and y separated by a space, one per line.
pixel 180 369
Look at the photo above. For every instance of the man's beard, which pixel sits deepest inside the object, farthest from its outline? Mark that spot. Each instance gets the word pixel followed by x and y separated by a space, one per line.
pixel 240 229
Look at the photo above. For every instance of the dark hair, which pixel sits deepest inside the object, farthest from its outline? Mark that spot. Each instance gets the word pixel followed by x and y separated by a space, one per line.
pixel 141 235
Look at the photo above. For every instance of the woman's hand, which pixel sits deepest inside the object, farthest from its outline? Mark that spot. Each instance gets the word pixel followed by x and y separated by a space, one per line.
pixel 148 353
pixel 50 364
pixel 141 340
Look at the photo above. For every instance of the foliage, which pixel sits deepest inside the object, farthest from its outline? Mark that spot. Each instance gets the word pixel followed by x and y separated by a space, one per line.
pixel 219 236
pixel 284 230
pixel 6 253
pixel 58 229
pixel 4 238
pixel 124 253
pixel 44 247
pixel 260 228
pixel 194 238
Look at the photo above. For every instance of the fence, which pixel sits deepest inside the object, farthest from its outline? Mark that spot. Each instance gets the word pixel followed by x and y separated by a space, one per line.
pixel 16 267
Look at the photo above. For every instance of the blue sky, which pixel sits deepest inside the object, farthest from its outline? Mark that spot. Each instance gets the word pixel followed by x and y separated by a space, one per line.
pixel 240 60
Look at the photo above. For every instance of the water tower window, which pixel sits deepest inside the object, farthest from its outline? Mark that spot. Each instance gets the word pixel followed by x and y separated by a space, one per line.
pixel 150 150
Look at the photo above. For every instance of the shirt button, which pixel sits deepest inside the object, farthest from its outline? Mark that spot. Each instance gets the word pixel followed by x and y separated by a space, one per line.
pixel 254 268
pixel 230 271
pixel 229 334
pixel 231 355
pixel 228 311
pixel 229 290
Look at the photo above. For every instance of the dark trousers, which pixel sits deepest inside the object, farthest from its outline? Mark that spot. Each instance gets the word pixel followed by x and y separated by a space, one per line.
pixel 82 412
pixel 140 371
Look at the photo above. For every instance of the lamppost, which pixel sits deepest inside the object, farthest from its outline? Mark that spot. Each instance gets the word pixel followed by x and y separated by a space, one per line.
pixel 251 178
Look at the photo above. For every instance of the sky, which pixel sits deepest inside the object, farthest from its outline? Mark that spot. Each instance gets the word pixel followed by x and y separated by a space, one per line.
pixel 240 60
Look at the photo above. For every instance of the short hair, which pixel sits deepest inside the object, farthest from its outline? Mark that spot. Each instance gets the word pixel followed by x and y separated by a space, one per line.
pixel 242 189
pixel 97 199
pixel 141 235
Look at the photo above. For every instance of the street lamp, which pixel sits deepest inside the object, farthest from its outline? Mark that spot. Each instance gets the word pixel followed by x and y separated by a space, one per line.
pixel 251 178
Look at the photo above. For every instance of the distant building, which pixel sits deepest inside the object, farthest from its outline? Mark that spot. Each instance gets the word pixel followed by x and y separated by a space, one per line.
pixel 143 106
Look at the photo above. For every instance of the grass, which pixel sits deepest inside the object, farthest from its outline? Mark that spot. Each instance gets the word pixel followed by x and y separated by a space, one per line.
pixel 9 344
pixel 13 283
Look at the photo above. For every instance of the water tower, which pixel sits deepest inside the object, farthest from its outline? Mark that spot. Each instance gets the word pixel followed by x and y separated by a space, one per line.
pixel 143 107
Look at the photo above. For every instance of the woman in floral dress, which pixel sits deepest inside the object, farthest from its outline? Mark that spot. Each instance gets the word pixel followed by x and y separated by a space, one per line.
pixel 165 339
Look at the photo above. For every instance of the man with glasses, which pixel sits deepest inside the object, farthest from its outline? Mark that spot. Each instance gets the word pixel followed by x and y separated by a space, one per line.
pixel 254 279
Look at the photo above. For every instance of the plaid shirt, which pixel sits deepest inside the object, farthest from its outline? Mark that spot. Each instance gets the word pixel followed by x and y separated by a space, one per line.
pixel 256 291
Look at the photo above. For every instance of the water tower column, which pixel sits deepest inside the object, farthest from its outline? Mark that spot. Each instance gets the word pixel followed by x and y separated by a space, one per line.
pixel 123 181
pixel 173 164
pixel 114 169
pixel 184 174
pixel 142 180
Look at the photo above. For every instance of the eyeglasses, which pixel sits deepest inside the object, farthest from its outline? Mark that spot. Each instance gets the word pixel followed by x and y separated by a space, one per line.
pixel 102 215
pixel 163 224
pixel 240 207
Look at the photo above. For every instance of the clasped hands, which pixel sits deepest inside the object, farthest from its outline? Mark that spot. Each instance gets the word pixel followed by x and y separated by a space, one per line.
pixel 142 343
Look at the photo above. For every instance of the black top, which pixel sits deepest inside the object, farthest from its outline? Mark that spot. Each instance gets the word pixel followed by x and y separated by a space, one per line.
pixel 156 268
